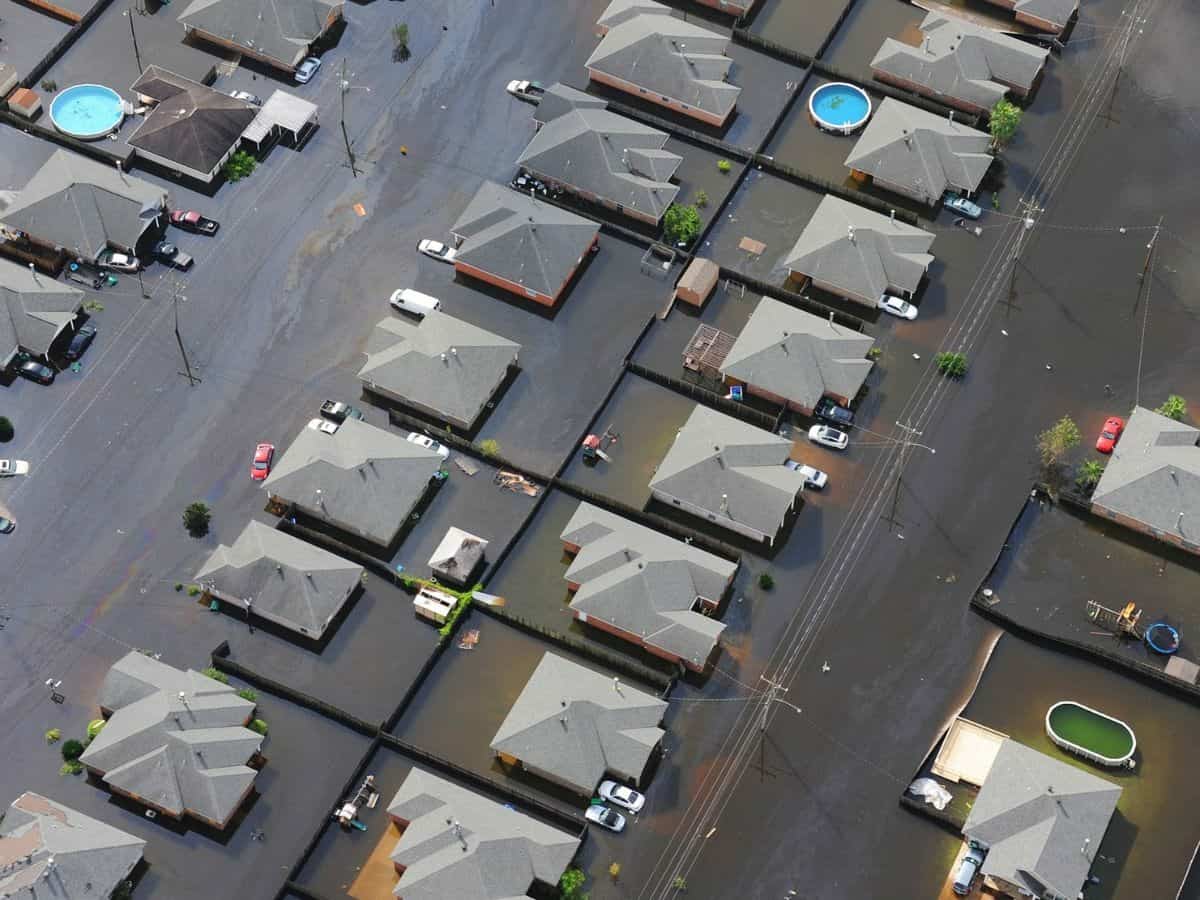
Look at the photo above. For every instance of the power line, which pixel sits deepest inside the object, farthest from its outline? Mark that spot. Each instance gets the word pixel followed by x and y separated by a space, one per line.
pixel 1147 270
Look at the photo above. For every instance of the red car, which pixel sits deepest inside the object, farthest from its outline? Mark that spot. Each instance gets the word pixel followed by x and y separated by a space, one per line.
pixel 261 467
pixel 1110 434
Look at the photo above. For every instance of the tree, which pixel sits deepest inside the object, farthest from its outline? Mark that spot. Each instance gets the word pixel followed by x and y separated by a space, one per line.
pixel 1087 476
pixel 489 447
pixel 952 365
pixel 570 883
pixel 1004 122
pixel 1174 407
pixel 400 51
pixel 240 165
pixel 1055 441
pixel 72 750
pixel 196 518
pixel 6 430
pixel 681 223
pixel 765 581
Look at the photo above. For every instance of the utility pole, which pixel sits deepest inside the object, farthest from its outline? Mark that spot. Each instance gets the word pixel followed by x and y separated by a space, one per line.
pixel 1126 37
pixel 1150 250
pixel 344 87
pixel 909 434
pixel 1030 211
pixel 193 380
pixel 133 34
pixel 770 697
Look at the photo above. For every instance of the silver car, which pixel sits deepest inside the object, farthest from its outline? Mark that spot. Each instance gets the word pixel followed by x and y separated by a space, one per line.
pixel 307 69
pixel 605 817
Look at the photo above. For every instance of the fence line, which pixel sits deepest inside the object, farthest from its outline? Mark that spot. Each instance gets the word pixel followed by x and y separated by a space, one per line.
pixel 705 396
pixel 792 299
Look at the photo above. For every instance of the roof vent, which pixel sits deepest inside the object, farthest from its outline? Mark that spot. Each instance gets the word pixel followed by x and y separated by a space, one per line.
pixel 850 233
pixel 443 357
pixel 454 351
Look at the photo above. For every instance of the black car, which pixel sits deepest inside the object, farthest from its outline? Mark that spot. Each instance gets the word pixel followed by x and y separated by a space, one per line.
pixel 35 371
pixel 81 341
pixel 167 253
pixel 832 413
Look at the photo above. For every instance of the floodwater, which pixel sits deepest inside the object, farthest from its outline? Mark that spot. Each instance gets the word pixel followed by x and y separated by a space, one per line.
pixel 802 25
pixel 863 32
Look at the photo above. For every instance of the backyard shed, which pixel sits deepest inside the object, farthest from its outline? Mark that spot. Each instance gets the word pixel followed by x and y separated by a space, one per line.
pixel 698 281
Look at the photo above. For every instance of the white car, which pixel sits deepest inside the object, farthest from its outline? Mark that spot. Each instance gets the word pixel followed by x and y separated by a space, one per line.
pixel 828 437
pixel 526 90
pixel 9 467
pixel 119 262
pixel 323 425
pixel 437 250
pixel 813 478
pixel 605 817
pixel 622 796
pixel 429 444
pixel 246 96
pixel 897 307
pixel 307 69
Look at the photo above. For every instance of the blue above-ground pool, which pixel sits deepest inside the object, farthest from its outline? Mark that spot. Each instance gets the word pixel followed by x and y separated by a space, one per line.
pixel 839 107
pixel 87 111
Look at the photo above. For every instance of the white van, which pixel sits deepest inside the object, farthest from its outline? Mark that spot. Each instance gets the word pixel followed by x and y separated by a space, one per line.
pixel 414 302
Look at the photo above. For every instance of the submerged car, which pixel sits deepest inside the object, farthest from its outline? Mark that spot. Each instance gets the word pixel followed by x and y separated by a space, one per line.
pixel 622 796
pixel 429 444
pixel 36 371
pixel 897 307
pixel 1110 434
pixel 7 525
pixel 168 254
pixel 605 817
pixel 80 341
pixel 831 412
pixel 813 478
pixel 190 220
pixel 962 205
pixel 307 69
pixel 260 467
pixel 828 437
pixel 437 250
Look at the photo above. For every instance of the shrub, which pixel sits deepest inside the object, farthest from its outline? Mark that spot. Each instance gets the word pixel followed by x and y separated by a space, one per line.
pixel 72 750
pixel 53 736
pixel 6 430
pixel 874 353
pixel 489 447
pixel 455 614
pixel 1055 441
pixel 614 870
pixel 193 590
pixel 724 165
pixel 400 51
pixel 71 767
pixel 765 581
pixel 94 728
pixel 248 694
pixel 701 199
pixel 216 675
pixel 570 883
pixel 240 165
pixel 1087 476
pixel 1004 122
pixel 952 365
pixel 196 518
pixel 178 586
pixel 681 223
pixel 1174 407
pixel 49 85
pixel 259 726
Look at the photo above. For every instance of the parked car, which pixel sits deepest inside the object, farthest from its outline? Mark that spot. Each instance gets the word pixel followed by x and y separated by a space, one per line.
pixel 967 868
pixel 622 796
pixel 190 220
pixel 84 335
pixel 410 301
pixel 260 467
pixel 530 91
pixel 897 307
pixel 322 426
pixel 1110 434
pixel 831 412
pixel 828 437
pixel 11 467
pixel 7 525
pixel 307 69
pixel 961 205
pixel 118 262
pixel 813 478
pixel 337 411
pixel 437 250
pixel 247 97
pixel 167 253
pixel 36 371
pixel 605 817
pixel 429 444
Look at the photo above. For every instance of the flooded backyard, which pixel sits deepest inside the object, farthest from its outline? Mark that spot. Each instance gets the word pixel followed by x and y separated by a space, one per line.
pixel 801 26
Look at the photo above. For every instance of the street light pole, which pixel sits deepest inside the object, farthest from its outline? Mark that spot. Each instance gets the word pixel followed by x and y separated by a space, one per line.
pixel 193 380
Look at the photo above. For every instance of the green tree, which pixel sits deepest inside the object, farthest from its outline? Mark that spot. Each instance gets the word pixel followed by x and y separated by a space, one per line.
pixel 1055 441
pixel 1004 122
pixel 248 694
pixel 400 51
pixel 1174 407
pixel 72 750
pixel 95 727
pixel 196 518
pixel 1087 476
pixel 701 199
pixel 571 883
pixel 53 736
pixel 489 447
pixel 6 430
pixel 240 165
pixel 952 365
pixel 681 223
pixel 765 581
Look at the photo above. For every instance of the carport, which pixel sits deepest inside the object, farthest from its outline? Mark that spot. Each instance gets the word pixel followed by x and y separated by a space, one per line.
pixel 283 117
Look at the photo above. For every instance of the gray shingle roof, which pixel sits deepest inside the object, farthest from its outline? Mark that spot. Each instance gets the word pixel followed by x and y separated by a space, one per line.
pixel 369 479
pixel 72 201
pixel 33 310
pixel 1035 813
pixel 1154 475
pixel 1058 12
pixel 192 125
pixel 513 236
pixel 716 455
pixel 962 60
pixel 76 856
pixel 413 360
pixel 185 755
pixel 279 29
pixel 505 850
pixel 859 252
pixel 665 55
pixel 289 581
pixel 588 148
pixel 921 154
pixel 644 582
pixel 797 355
pixel 576 725
pixel 560 99
pixel 619 11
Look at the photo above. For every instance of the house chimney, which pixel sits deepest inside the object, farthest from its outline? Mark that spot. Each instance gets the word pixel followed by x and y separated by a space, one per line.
pixel 950 116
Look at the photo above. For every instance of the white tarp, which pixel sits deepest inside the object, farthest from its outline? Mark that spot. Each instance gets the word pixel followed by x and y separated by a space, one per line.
pixel 931 792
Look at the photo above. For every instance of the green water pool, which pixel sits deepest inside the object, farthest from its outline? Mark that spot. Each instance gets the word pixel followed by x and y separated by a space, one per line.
pixel 1092 731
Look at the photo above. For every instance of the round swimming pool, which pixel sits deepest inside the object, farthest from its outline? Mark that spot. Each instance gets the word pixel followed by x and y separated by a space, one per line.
pixel 87 111
pixel 839 107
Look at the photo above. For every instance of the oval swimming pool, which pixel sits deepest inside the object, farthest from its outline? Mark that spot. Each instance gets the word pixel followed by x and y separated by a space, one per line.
pixel 839 107
pixel 87 111
pixel 1091 734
